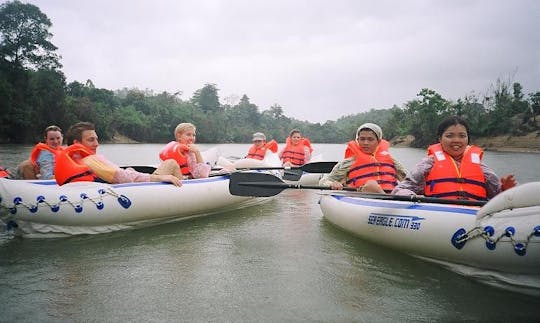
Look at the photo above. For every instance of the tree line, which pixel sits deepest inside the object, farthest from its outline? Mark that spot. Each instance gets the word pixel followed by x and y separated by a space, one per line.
pixel 34 94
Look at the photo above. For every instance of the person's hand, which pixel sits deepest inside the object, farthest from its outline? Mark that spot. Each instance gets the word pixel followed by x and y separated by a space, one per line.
pixel 193 148
pixel 167 178
pixel 183 147
pixel 173 180
pixel 287 164
pixel 336 186
pixel 508 182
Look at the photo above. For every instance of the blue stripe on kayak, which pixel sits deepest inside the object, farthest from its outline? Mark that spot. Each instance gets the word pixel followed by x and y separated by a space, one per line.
pixel 45 182
pixel 184 182
pixel 405 205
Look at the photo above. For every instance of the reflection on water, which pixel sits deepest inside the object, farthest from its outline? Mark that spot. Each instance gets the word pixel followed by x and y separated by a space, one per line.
pixel 280 261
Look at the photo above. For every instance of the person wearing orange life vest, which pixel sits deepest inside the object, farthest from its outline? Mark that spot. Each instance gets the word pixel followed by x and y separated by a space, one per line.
pixel 40 165
pixel 453 168
pixel 368 165
pixel 185 153
pixel 260 146
pixel 297 150
pixel 79 162
pixel 4 173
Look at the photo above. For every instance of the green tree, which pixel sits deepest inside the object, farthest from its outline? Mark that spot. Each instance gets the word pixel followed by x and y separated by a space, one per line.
pixel 425 115
pixel 46 97
pixel 499 109
pixel 207 99
pixel 474 112
pixel 24 37
pixel 246 118
pixel 534 98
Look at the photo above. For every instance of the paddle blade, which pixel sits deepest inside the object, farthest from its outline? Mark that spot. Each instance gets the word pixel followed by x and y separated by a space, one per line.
pixel 255 184
pixel 318 167
pixel 292 174
pixel 142 169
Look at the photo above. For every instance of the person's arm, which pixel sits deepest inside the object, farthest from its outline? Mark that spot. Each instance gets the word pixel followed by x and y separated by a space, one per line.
pixel 400 170
pixel 111 173
pixel 280 153
pixel 494 185
pixel 338 176
pixel 197 169
pixel 415 183
pixel 307 154
pixel 196 152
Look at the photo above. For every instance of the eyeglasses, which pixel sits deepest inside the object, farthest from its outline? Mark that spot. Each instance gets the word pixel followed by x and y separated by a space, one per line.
pixel 257 141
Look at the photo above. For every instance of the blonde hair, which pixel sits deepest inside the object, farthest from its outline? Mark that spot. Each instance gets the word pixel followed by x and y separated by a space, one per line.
pixel 183 127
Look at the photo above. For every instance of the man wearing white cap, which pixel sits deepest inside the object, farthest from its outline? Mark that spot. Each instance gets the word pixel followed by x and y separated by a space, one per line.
pixel 259 147
pixel 368 165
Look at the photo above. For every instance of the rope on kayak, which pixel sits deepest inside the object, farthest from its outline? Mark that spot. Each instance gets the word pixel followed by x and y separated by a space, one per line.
pixel 520 246
pixel 33 207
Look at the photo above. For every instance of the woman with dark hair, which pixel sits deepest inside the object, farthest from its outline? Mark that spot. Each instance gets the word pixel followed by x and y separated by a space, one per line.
pixel 297 150
pixel 454 169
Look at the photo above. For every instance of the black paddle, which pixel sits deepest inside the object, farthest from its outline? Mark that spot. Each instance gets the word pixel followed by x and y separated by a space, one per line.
pixel 141 169
pixel 264 185
pixel 290 173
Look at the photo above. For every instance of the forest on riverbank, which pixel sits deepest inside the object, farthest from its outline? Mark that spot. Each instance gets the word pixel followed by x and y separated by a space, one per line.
pixel 34 94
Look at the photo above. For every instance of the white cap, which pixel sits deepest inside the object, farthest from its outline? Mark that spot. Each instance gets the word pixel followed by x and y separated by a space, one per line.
pixel 373 127
pixel 258 136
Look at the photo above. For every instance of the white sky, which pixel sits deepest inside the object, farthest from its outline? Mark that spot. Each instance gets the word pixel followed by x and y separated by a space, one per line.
pixel 319 60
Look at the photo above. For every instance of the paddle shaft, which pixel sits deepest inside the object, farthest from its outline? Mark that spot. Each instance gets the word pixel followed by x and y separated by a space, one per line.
pixel 264 185
pixel 316 167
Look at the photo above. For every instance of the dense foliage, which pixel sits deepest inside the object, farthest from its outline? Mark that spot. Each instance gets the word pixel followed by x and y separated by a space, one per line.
pixel 34 94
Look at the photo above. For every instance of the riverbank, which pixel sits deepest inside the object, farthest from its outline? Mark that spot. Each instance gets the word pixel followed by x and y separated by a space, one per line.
pixel 525 144
pixel 507 143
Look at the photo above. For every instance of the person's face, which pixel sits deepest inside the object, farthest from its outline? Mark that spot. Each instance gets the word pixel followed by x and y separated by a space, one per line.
pixel 186 137
pixel 54 139
pixel 89 140
pixel 295 138
pixel 368 141
pixel 454 140
pixel 258 143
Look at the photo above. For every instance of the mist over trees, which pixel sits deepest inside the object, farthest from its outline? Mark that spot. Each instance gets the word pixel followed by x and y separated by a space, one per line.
pixel 34 94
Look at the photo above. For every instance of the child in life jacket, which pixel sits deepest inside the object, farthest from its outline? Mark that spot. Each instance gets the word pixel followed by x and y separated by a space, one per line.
pixel 186 154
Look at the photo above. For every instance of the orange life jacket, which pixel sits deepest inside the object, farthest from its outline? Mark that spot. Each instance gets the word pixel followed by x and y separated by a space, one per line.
pixel 295 154
pixel 175 150
pixel 378 166
pixel 259 153
pixel 3 172
pixel 67 169
pixel 446 180
pixel 34 154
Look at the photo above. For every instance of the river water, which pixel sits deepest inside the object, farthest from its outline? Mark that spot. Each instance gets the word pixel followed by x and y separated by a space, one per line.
pixel 277 262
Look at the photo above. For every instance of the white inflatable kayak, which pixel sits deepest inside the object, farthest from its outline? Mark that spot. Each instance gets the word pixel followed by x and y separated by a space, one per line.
pixel 499 242
pixel 36 208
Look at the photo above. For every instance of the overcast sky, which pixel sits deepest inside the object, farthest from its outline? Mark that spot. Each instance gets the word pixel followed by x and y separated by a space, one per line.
pixel 319 60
